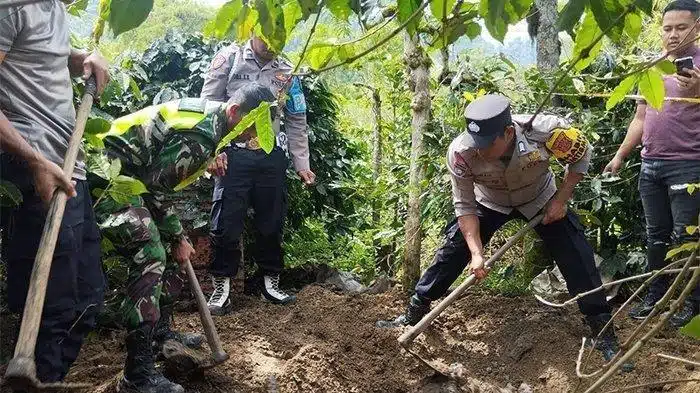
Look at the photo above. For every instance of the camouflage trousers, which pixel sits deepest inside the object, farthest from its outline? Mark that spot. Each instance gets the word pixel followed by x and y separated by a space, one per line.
pixel 154 280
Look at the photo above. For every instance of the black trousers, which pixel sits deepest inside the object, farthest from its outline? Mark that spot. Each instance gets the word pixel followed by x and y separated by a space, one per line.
pixel 253 179
pixel 76 283
pixel 565 240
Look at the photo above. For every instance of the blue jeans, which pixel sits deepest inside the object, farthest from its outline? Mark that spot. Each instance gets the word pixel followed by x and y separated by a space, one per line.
pixel 668 210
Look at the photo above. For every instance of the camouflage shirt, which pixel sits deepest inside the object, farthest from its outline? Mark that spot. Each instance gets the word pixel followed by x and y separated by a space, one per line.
pixel 167 147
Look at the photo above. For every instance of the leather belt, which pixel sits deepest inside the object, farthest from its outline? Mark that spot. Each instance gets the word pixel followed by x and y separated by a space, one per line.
pixel 250 144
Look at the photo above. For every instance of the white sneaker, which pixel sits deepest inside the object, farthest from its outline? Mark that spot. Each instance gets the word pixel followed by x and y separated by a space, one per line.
pixel 271 291
pixel 220 302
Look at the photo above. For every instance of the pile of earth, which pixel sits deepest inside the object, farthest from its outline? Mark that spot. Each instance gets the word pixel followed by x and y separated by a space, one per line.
pixel 328 342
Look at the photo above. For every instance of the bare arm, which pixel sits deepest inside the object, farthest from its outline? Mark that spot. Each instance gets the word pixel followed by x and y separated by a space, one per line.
pixel 469 226
pixel 634 133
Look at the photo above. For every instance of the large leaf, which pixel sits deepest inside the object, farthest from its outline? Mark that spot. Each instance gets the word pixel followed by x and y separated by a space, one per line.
pixel 308 7
pixel 319 55
pixel 99 165
pixel 606 12
pixel 259 116
pixel 692 329
pixel 292 14
pixel 341 9
pixel 441 8
pixel 406 9
pixel 271 24
pixel 115 168
pixel 228 13
pixel 125 15
pixel 586 34
pixel 621 91
pixel 667 67
pixel 10 195
pixel 633 25
pixel 97 126
pixel 571 14
pixel 651 86
pixel 498 14
pixel 124 187
pixel 76 7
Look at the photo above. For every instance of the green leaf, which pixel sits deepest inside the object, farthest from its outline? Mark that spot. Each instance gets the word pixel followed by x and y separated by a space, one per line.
pixel 308 7
pixel 319 55
pixel 76 7
pixel 97 126
pixel 441 8
pixel 292 14
pixel 124 187
pixel 406 9
pixel 571 14
pixel 498 14
pixel 621 91
pixel 99 165
pixel 606 13
pixel 135 89
pixel 691 188
pixel 341 9
pixel 10 195
pixel 506 60
pixel 651 86
pixel 94 141
pixel 667 67
pixel 586 34
pixel 228 13
pixel 691 229
pixel 473 30
pixel 645 5
pixel 256 116
pixel 115 168
pixel 692 328
pixel 686 247
pixel 633 25
pixel 346 51
pixel 271 24
pixel 125 15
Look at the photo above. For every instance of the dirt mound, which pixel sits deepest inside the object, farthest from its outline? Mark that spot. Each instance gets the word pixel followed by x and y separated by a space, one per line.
pixel 328 342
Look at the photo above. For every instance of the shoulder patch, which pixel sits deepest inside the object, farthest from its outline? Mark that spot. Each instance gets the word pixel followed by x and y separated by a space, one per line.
pixel 567 145
pixel 218 61
pixel 296 103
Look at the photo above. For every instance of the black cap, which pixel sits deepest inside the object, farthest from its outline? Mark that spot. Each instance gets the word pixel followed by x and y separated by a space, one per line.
pixel 487 118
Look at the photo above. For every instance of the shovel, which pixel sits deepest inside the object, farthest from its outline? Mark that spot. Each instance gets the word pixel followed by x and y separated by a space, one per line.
pixel 21 371
pixel 406 339
pixel 185 359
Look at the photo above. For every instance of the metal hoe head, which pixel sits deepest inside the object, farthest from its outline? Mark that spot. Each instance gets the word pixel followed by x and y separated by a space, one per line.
pixel 21 376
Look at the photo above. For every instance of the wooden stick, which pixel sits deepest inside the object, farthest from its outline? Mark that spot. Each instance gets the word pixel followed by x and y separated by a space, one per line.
pixel 407 338
pixel 653 384
pixel 677 359
pixel 217 350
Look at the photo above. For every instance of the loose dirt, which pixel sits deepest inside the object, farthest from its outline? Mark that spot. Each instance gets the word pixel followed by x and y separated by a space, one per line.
pixel 328 342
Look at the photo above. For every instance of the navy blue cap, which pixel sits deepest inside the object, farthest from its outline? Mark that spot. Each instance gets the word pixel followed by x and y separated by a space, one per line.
pixel 487 117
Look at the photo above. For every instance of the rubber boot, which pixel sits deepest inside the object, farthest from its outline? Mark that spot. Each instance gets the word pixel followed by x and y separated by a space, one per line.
pixel 417 307
pixel 607 344
pixel 140 374
pixel 164 332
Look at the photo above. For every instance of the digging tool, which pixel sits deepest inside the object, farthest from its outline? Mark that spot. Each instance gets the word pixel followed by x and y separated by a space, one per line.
pixel 185 359
pixel 407 338
pixel 21 371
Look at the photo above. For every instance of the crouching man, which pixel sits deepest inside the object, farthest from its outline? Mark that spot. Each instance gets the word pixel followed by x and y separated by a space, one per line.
pixel 166 147
pixel 500 171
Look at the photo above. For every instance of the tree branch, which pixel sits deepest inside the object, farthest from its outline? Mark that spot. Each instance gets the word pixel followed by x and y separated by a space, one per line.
pixel 572 64
pixel 377 45
pixel 682 360
pixel 653 384
pixel 311 33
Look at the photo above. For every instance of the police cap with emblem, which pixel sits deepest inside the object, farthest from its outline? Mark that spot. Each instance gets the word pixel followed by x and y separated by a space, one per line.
pixel 487 118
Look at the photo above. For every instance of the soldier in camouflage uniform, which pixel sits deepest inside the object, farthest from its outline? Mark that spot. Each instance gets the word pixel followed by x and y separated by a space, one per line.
pixel 166 147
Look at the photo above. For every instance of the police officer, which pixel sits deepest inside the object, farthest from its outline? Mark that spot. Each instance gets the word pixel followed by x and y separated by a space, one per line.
pixel 166 147
pixel 500 171
pixel 259 180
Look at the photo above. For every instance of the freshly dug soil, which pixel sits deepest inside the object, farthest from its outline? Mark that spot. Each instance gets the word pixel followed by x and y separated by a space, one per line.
pixel 328 342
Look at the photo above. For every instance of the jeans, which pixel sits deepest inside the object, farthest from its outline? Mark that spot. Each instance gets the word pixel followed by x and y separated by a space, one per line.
pixel 76 283
pixel 668 209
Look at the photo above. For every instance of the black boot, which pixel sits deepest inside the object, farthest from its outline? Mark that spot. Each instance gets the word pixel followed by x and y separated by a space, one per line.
pixel 607 344
pixel 687 311
pixel 140 374
pixel 163 331
pixel 417 307
pixel 643 309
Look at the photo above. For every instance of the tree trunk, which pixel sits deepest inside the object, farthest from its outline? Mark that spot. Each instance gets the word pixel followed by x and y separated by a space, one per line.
pixel 548 46
pixel 417 66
